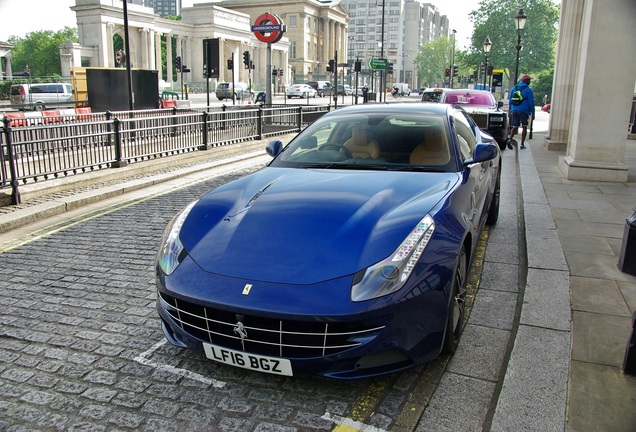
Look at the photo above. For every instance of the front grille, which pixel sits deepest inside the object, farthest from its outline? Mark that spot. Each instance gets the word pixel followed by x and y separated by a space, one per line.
pixel 481 120
pixel 267 336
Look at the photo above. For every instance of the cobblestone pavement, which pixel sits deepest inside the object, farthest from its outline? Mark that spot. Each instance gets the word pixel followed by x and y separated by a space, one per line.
pixel 82 348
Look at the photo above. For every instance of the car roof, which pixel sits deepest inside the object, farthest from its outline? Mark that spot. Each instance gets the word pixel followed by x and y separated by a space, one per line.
pixel 422 108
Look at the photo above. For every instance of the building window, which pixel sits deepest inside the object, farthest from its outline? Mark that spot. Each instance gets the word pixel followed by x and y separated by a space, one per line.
pixel 292 50
pixel 292 20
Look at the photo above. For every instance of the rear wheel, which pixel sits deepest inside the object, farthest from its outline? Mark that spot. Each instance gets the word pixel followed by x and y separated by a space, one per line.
pixel 457 307
pixel 493 210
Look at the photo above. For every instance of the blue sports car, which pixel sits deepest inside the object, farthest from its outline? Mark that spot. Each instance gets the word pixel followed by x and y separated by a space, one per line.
pixel 346 256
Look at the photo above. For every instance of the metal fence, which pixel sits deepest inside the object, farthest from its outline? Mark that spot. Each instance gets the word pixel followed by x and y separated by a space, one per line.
pixel 57 144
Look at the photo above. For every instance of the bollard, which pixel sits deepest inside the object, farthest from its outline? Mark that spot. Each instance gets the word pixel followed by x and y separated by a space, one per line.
pixel 627 260
pixel 629 364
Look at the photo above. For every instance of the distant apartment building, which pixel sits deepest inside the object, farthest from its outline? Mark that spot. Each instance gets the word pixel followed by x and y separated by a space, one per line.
pixel 163 8
pixel 397 35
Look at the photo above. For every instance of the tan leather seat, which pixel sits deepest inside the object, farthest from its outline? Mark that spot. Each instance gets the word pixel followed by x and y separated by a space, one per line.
pixel 361 144
pixel 434 150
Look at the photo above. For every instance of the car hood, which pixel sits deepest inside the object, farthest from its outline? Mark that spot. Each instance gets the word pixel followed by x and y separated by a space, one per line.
pixel 304 226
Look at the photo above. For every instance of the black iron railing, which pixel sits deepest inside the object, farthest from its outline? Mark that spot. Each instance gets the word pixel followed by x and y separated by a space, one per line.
pixel 58 143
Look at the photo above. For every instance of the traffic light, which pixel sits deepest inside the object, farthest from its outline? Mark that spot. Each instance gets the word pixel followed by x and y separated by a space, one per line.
pixel 490 68
pixel 357 66
pixel 246 59
pixel 275 72
pixel 390 69
pixel 177 63
pixel 447 72
pixel 332 66
pixel 454 71
pixel 230 64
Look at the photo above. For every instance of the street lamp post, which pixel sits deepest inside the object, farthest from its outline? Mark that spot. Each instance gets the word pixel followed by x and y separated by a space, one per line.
pixel 520 23
pixel 451 78
pixel 487 46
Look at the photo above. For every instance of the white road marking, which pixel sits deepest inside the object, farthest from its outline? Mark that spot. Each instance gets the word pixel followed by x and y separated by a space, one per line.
pixel 144 360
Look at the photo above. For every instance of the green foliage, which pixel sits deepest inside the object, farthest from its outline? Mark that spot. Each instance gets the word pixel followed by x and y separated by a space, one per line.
pixel 432 60
pixel 495 19
pixel 39 51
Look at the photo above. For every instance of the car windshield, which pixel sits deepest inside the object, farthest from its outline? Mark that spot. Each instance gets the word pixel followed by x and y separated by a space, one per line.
pixel 379 141
pixel 469 98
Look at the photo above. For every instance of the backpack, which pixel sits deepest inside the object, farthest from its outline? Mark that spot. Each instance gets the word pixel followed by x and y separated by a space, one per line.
pixel 517 98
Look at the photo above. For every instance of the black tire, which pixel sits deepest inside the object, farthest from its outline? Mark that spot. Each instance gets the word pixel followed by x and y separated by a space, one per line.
pixel 493 210
pixel 457 305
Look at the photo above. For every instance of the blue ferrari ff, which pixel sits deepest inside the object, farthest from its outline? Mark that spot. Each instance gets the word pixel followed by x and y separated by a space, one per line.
pixel 346 257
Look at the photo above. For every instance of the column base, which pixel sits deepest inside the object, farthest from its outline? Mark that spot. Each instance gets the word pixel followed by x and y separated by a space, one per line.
pixel 554 145
pixel 593 171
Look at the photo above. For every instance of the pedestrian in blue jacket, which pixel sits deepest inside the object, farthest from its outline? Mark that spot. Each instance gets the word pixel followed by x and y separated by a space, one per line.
pixel 521 103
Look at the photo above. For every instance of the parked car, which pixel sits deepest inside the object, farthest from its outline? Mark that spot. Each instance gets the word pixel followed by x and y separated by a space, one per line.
pixel 482 106
pixel 432 94
pixel 39 96
pixel 224 90
pixel 345 90
pixel 324 88
pixel 546 108
pixel 300 90
pixel 346 256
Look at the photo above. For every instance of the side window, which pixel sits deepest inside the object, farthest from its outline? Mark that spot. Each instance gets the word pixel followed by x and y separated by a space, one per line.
pixel 465 136
pixel 36 89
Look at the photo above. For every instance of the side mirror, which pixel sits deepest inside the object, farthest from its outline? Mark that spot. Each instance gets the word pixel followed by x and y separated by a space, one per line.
pixel 500 104
pixel 483 152
pixel 274 148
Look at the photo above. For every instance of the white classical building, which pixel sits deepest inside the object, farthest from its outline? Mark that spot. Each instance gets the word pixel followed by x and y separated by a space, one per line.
pixel 98 21
pixel 5 59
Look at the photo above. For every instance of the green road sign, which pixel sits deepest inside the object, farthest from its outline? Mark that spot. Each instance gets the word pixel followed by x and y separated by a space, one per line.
pixel 378 63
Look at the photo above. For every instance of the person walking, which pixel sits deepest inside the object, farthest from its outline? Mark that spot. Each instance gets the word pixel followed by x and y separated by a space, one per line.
pixel 521 102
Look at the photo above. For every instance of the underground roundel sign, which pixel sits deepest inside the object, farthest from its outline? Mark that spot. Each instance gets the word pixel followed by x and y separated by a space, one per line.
pixel 268 28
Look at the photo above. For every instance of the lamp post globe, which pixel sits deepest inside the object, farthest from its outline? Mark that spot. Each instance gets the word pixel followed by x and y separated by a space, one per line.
pixel 520 23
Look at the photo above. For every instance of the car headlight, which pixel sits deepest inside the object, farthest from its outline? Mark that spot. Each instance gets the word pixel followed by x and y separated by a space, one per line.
pixel 169 255
pixel 390 274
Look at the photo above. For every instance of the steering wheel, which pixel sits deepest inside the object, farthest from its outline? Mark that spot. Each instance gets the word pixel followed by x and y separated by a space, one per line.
pixel 338 147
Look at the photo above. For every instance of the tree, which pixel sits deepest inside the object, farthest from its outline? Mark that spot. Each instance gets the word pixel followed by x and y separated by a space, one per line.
pixel 433 60
pixel 495 19
pixel 39 51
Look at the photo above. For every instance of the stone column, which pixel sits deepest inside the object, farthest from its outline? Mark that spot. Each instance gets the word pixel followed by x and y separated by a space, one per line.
pixel 7 66
pixel 158 59
pixel 109 50
pixel 169 62
pixel 187 52
pixel 151 50
pixel 564 75
pixel 598 131
pixel 326 54
pixel 144 47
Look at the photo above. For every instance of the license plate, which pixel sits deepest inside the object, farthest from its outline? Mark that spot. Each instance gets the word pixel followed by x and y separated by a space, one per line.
pixel 245 360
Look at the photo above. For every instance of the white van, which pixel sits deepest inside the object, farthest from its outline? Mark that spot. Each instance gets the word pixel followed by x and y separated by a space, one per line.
pixel 39 96
pixel 403 89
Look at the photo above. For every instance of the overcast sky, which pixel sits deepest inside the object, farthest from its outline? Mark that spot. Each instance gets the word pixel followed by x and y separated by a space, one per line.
pixel 20 17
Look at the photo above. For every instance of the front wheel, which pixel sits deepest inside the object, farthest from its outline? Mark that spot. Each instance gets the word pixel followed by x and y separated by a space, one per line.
pixel 457 306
